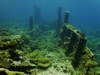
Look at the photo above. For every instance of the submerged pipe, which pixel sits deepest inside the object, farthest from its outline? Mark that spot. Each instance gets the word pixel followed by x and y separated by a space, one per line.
pixel 31 23
pixel 66 16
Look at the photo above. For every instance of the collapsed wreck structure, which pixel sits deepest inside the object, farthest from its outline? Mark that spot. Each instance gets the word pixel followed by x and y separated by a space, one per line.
pixel 74 41
pixel 76 49
pixel 77 57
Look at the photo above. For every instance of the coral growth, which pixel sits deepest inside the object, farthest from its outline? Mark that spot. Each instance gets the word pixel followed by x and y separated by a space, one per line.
pixel 40 51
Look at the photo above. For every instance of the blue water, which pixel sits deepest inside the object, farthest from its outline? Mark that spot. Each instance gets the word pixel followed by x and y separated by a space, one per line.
pixel 83 13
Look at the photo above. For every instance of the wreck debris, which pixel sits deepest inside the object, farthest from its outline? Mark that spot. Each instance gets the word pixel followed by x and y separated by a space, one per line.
pixel 66 17
pixel 77 51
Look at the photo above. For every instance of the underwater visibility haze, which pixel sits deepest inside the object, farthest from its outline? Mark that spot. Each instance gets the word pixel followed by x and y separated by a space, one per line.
pixel 82 13
pixel 49 37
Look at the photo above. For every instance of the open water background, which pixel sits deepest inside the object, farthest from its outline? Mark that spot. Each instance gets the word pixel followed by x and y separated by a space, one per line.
pixel 83 13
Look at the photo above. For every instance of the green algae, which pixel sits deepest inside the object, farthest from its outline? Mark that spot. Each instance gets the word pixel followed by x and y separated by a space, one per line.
pixel 40 61
pixel 91 63
pixel 4 59
pixel 45 45
pixel 33 54
pixel 43 62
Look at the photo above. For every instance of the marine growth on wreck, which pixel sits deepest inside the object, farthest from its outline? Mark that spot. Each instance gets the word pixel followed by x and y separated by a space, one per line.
pixel 38 48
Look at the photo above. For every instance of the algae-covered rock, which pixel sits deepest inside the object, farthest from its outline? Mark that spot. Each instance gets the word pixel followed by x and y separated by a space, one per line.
pixel 90 73
pixel 16 37
pixel 8 44
pixel 19 52
pixel 11 43
pixel 91 63
pixel 4 59
pixel 4 31
pixel 44 62
pixel 7 72
pixel 26 39
pixel 40 61
pixel 4 54
pixel 33 54
pixel 27 64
